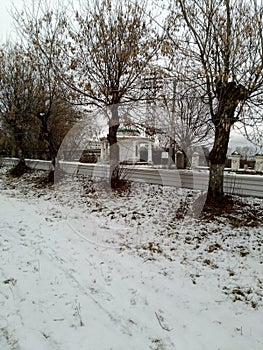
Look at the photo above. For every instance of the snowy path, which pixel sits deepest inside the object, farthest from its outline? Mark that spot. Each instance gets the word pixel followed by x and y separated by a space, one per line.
pixel 59 291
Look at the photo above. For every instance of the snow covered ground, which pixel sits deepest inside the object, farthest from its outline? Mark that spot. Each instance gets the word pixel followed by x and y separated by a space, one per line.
pixel 83 268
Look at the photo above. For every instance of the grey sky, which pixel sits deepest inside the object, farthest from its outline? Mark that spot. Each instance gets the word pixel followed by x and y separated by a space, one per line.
pixel 6 27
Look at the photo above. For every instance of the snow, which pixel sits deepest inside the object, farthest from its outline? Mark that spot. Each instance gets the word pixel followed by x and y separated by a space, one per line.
pixel 85 268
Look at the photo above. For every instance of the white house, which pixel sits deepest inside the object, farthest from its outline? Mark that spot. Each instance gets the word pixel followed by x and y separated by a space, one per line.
pixel 130 142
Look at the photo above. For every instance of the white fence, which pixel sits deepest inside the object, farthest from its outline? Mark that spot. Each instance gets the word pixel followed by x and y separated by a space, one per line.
pixel 240 184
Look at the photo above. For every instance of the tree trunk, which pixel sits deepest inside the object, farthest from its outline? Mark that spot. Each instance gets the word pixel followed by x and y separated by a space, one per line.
pixel 216 182
pixel 229 95
pixel 46 137
pixel 114 147
pixel 20 168
pixel 19 141
pixel 217 159
pixel 171 153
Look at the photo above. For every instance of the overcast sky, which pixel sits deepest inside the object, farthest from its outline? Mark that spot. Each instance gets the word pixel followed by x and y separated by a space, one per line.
pixel 5 20
pixel 6 28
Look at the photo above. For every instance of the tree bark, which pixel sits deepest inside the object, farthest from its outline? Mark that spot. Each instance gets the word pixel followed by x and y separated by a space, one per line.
pixel 171 153
pixel 45 135
pixel 19 141
pixel 216 182
pixel 217 159
pixel 114 147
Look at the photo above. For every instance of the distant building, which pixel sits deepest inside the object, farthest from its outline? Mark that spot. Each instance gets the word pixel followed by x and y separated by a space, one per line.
pixel 89 153
pixel 130 142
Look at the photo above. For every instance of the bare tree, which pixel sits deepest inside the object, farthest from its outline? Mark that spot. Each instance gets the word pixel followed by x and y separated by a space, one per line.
pixel 223 43
pixel 103 52
pixel 16 98
pixel 52 109
pixel 32 104
pixel 185 117
pixel 175 114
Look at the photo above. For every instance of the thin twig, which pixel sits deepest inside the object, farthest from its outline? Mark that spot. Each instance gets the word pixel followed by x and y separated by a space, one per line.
pixel 160 323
